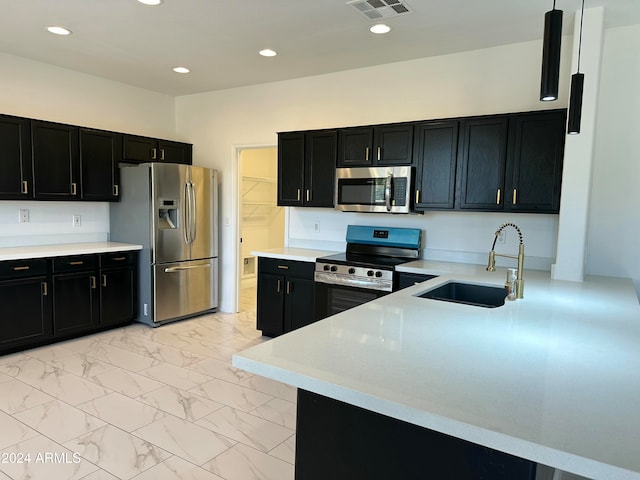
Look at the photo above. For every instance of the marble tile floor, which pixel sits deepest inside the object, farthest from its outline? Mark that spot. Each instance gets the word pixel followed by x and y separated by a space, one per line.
pixel 143 403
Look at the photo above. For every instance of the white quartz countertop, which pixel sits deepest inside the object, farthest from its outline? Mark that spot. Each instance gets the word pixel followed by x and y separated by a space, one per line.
pixel 40 251
pixel 289 253
pixel 553 378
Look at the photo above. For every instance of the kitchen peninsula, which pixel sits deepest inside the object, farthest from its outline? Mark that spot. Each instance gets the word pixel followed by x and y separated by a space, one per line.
pixel 553 378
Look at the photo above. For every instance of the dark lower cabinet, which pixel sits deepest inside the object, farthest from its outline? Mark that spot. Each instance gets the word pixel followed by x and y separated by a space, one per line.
pixel 339 441
pixel 285 295
pixel 50 299
pixel 406 279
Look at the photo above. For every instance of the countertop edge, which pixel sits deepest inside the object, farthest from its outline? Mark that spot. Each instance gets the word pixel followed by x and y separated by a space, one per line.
pixel 61 250
pixel 296 254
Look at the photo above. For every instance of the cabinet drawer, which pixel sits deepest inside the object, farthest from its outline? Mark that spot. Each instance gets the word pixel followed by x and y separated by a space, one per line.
pixel 23 268
pixel 286 267
pixel 75 263
pixel 116 259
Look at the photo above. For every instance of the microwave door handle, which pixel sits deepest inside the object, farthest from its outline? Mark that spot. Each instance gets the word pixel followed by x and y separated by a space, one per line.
pixel 387 191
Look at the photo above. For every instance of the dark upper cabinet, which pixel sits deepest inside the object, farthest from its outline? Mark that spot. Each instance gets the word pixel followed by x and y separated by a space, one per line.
pixel 376 146
pixel 15 159
pixel 436 148
pixel 534 169
pixel 306 168
pixel 99 155
pixel 138 149
pixel 482 156
pixel 56 165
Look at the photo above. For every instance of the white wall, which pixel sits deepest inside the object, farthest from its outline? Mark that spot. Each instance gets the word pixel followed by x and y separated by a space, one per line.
pixel 614 221
pixel 496 80
pixel 37 90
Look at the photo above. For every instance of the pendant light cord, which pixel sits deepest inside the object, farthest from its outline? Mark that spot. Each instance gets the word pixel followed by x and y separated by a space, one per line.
pixel 580 41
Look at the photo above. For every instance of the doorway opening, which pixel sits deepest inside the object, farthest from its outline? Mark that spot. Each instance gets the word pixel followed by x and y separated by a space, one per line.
pixel 261 223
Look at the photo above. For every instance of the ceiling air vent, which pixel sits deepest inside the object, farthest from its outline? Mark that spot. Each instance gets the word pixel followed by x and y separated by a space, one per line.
pixel 376 9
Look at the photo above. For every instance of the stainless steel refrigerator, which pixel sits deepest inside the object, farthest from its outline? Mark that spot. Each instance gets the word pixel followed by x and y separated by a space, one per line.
pixel 172 210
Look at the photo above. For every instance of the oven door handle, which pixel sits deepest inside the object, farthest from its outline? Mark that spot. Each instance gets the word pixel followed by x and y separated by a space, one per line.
pixel 387 190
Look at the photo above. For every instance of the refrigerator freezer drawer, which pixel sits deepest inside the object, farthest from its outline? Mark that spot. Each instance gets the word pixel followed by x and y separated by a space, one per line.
pixel 185 288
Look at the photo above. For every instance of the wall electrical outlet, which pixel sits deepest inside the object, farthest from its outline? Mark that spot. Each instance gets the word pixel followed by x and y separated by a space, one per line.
pixel 77 220
pixel 316 227
pixel 23 215
pixel 502 238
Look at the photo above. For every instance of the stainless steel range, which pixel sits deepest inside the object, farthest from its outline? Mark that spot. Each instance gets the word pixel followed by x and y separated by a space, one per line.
pixel 366 270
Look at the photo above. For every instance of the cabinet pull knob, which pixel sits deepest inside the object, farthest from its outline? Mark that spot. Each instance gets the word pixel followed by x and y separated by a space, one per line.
pixel 283 267
pixel 154 154
pixel 288 287
pixel 116 191
pixel 74 188
pixel 92 281
pixel 278 287
pixel 45 290
pixel 162 154
pixel 298 194
pixel 515 196
pixel 417 196
pixel 79 262
pixel 25 187
pixel 17 269
pixel 498 197
pixel 308 194
pixel 366 154
pixel 379 152
pixel 104 280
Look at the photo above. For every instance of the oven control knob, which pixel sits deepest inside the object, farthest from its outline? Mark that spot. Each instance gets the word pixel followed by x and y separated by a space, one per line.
pixel 378 274
pixel 326 268
pixel 352 270
pixel 334 268
pixel 370 273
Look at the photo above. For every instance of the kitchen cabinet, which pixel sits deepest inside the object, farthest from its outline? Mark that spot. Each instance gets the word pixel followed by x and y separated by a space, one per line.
pixel 15 159
pixel 75 295
pixel 436 149
pixel 56 164
pixel 25 296
pixel 535 159
pixel 137 149
pixel 285 295
pixel 306 168
pixel 406 279
pixel 99 155
pixel 481 162
pixel 376 146
pixel 117 288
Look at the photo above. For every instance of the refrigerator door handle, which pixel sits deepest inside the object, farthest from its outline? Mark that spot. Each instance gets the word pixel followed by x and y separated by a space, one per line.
pixel 194 212
pixel 186 225
pixel 188 267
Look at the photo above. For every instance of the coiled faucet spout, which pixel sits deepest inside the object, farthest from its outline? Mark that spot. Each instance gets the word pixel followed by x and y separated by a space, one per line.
pixel 491 266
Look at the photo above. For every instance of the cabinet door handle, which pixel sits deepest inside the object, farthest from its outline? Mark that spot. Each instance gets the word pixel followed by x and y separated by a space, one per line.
pixel 288 287
pixel 366 154
pixel 417 196
pixel 18 269
pixel 92 281
pixel 25 187
pixel 104 280
pixel 73 188
pixel 498 197
pixel 379 152
pixel 515 196
pixel 278 287
pixel 45 290
pixel 308 195
pixel 79 262
pixel 162 154
pixel 119 259
pixel 298 194
pixel 154 154
pixel 283 267
pixel 116 191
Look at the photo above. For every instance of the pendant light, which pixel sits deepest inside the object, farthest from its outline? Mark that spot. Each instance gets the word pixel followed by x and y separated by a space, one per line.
pixel 577 87
pixel 551 54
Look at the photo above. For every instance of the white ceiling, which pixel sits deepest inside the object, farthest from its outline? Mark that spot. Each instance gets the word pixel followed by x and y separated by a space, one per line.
pixel 218 40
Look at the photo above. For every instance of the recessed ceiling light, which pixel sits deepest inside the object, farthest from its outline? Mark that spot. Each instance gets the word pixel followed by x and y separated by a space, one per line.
pixel 151 2
pixel 267 52
pixel 380 28
pixel 181 70
pixel 58 30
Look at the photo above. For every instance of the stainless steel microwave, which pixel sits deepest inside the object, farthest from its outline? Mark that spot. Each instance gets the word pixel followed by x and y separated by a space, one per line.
pixel 374 189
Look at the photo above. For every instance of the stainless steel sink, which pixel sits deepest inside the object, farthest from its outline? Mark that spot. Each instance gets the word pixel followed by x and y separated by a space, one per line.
pixel 468 293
